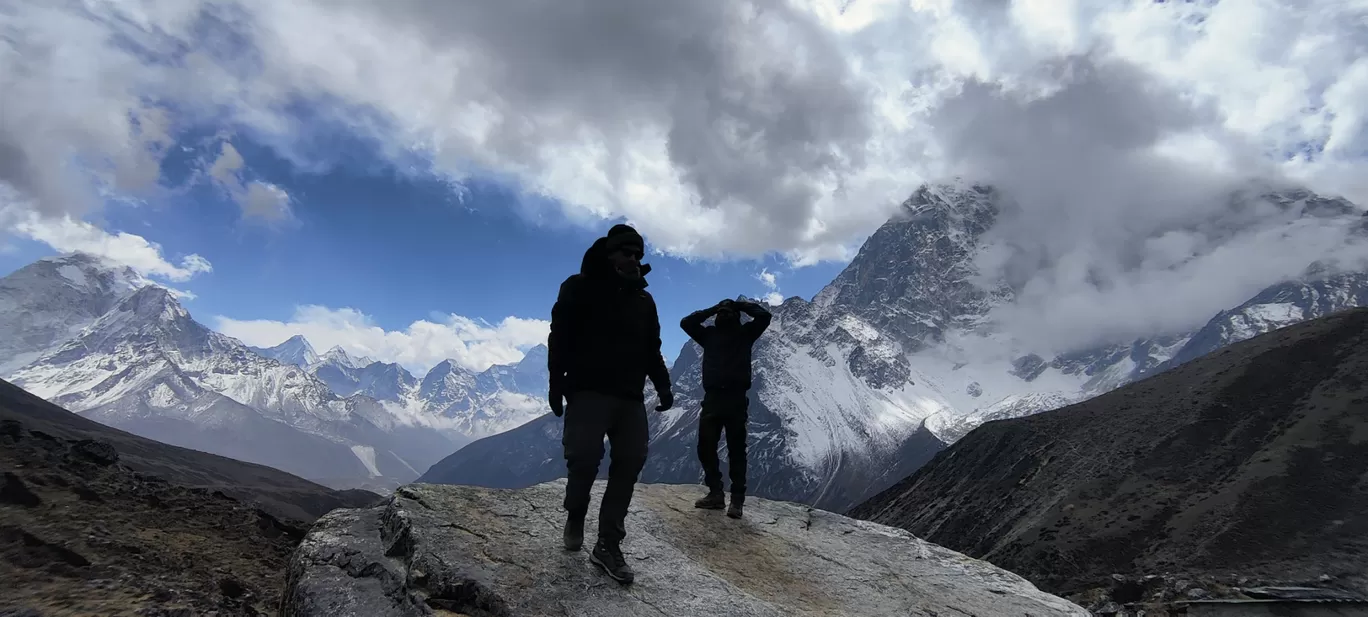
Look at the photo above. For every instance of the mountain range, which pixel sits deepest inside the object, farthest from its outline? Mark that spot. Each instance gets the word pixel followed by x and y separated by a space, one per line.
pixel 103 341
pixel 474 403
pixel 859 387
pixel 854 390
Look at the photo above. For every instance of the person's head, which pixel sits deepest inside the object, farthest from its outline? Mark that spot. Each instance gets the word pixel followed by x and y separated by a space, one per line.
pixel 624 248
pixel 727 315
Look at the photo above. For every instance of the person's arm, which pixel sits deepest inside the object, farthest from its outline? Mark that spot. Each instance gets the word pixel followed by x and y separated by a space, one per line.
pixel 657 371
pixel 562 323
pixel 692 324
pixel 760 318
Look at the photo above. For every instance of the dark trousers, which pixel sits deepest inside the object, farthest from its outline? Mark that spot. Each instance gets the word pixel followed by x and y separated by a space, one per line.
pixel 724 410
pixel 589 417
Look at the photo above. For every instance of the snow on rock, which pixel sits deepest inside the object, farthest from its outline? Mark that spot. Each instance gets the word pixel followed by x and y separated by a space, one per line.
pixel 367 456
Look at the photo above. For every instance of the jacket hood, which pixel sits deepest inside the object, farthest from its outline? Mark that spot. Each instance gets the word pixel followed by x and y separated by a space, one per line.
pixel 595 264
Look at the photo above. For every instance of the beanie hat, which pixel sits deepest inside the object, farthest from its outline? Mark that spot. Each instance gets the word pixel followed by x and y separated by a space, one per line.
pixel 620 235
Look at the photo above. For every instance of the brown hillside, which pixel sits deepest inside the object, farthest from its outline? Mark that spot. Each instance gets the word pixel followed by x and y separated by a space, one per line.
pixel 1251 462
pixel 96 521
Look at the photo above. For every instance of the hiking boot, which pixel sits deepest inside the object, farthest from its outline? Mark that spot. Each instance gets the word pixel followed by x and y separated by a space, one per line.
pixel 712 501
pixel 608 555
pixel 734 510
pixel 574 533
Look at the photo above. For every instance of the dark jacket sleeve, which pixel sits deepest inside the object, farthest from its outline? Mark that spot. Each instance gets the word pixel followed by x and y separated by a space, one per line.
pixel 562 323
pixel 657 371
pixel 760 319
pixel 692 324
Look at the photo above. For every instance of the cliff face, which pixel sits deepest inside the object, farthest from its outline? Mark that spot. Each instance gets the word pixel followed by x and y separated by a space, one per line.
pixel 497 552
pixel 1247 462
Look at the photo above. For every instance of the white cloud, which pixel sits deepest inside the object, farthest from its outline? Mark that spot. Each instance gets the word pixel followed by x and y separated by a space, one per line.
pixel 475 345
pixel 768 278
pixel 771 282
pixel 720 127
pixel 715 126
pixel 65 235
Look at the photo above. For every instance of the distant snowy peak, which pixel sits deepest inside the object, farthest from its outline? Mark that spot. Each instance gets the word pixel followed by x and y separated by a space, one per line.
pixel 48 301
pixel 446 384
pixel 91 273
pixel 378 380
pixel 912 279
pixel 950 427
pixel 338 356
pixel 295 350
pixel 1276 307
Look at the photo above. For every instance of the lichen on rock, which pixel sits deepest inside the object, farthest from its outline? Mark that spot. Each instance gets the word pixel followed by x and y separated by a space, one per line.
pixel 464 550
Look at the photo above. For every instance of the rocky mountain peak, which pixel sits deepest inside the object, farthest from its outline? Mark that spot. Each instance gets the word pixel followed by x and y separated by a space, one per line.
pixel 147 324
pixel 534 358
pixel 913 277
pixel 50 300
pixel 295 350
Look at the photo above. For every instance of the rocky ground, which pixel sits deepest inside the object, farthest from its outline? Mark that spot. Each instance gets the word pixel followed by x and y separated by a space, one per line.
pixel 1242 468
pixel 463 550
pixel 84 532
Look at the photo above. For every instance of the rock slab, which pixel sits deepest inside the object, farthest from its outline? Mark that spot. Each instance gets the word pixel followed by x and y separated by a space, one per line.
pixel 472 551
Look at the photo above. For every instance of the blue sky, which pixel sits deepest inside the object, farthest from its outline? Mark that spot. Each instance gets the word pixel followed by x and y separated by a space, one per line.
pixel 397 246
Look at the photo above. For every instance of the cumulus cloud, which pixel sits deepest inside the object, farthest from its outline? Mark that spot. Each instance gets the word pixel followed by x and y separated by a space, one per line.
pixel 66 235
pixel 771 282
pixel 475 345
pixel 734 128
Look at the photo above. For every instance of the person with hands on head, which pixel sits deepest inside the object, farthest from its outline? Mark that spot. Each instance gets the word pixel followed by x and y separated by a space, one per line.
pixel 604 344
pixel 726 384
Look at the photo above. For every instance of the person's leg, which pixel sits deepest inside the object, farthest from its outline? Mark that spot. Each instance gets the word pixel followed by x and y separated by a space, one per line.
pixel 709 433
pixel 736 425
pixel 586 421
pixel 627 437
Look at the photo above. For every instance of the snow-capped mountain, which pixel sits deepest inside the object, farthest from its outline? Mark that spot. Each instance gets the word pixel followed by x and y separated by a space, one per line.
pixel 49 301
pixel 475 404
pixel 491 401
pixel 145 364
pixel 295 350
pixel 860 386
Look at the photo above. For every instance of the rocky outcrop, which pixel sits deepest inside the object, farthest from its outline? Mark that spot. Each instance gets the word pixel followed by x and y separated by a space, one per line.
pixel 432 549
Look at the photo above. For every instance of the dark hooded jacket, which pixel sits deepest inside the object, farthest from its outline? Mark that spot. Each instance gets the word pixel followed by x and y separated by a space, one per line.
pixel 727 351
pixel 605 332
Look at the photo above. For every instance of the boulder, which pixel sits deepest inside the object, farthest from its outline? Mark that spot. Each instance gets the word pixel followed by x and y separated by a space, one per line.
pixel 463 550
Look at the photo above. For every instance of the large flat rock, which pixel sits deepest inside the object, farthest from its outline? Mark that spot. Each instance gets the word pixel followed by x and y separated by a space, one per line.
pixel 461 550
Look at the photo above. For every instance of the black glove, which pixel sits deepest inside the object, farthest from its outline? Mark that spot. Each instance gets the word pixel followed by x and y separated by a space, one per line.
pixel 666 400
pixel 556 397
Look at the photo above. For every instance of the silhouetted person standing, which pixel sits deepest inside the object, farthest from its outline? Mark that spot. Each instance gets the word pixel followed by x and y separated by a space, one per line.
pixel 604 343
pixel 726 381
